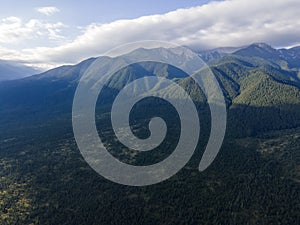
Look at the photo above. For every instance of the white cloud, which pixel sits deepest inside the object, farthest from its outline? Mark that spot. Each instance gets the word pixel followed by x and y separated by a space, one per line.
pixel 11 30
pixel 47 10
pixel 226 23
pixel 14 31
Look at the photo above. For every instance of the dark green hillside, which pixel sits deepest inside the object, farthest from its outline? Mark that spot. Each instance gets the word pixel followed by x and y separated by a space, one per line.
pixel 262 94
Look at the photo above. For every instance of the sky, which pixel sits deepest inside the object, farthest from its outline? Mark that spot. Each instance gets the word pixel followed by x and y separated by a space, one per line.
pixel 49 33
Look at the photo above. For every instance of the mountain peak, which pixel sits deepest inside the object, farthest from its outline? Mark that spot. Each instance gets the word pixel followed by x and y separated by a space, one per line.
pixel 262 45
pixel 262 50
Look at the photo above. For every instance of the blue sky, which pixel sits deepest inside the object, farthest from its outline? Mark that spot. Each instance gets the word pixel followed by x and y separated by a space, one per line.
pixel 75 14
pixel 82 13
pixel 48 33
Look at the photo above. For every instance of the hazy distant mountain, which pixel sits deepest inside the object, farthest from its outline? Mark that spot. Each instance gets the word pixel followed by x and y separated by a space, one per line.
pixel 10 70
pixel 216 53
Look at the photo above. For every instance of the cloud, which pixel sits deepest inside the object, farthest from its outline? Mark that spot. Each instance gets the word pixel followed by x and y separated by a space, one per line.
pixel 14 31
pixel 225 23
pixel 11 30
pixel 47 10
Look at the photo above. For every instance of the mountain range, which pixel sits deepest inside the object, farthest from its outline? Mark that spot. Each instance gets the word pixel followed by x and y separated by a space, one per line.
pixel 10 70
pixel 254 179
pixel 256 76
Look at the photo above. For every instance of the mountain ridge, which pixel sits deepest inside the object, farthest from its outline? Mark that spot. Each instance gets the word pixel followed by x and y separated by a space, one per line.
pixel 55 88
